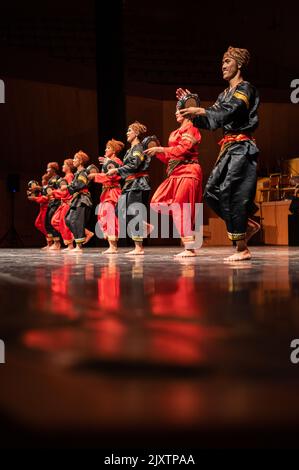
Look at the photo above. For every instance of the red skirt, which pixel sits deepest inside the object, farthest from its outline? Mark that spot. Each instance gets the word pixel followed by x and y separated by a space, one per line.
pixel 178 194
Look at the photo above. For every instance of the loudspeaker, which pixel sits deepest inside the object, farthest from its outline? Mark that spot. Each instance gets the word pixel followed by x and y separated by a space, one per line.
pixel 13 183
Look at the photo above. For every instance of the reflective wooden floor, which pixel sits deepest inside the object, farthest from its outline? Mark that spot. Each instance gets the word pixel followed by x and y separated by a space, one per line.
pixel 130 352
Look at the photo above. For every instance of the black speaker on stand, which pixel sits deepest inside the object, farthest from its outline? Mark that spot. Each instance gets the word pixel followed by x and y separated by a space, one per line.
pixel 11 239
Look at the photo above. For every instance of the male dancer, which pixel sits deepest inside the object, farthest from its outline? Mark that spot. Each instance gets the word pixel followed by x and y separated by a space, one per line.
pixel 230 190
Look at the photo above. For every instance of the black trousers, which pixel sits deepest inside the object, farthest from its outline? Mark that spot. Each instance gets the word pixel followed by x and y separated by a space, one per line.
pixel 231 188
pixel 51 232
pixel 126 213
pixel 76 220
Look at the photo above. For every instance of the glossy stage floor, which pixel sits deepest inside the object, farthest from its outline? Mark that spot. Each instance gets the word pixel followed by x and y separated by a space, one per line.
pixel 116 351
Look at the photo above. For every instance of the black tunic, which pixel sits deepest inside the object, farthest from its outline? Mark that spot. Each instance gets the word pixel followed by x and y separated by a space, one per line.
pixel 52 208
pixel 235 111
pixel 79 214
pixel 135 162
pixel 79 183
pixel 134 191
pixel 230 189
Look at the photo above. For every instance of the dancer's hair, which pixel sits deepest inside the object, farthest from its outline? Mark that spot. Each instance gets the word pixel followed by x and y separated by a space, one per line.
pixel 83 157
pixel 139 128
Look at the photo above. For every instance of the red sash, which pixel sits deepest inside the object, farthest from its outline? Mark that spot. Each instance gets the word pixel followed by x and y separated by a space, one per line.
pixel 135 176
pixel 234 138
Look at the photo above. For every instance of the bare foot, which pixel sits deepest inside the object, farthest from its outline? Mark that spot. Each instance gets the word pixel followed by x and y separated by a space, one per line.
pixel 110 251
pixel 76 251
pixel 244 255
pixel 252 228
pixel 55 247
pixel 69 248
pixel 46 248
pixel 186 254
pixel 89 235
pixel 135 252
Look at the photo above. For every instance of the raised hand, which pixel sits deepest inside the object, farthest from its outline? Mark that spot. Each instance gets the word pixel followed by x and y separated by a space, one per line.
pixel 180 93
pixel 112 172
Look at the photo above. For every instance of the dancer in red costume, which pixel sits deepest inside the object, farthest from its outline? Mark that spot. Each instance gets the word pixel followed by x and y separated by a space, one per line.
pixel 183 184
pixel 68 170
pixel 58 219
pixel 111 192
pixel 43 200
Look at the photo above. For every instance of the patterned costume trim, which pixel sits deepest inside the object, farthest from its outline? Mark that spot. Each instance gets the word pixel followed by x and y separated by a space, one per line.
pixel 235 237
pixel 241 96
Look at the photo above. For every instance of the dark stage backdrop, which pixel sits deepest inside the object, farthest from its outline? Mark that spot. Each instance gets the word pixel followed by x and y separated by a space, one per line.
pixel 51 58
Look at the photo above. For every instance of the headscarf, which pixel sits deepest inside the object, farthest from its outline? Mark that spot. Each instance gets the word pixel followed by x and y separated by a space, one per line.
pixel 138 128
pixel 241 56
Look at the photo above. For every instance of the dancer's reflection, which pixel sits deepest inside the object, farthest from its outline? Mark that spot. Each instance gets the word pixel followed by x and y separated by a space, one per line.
pixel 54 294
pixel 109 287
pixel 176 296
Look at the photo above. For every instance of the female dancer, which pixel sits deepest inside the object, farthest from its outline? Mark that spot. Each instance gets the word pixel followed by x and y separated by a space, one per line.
pixel 111 192
pixel 43 200
pixel 62 194
pixel 182 188
pixel 80 204
pixel 136 188
pixel 52 171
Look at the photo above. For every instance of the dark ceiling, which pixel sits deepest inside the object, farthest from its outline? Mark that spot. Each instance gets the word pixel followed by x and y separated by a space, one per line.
pixel 163 44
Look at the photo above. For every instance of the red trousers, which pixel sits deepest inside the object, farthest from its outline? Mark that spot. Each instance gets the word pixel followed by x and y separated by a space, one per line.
pixel 41 218
pixel 179 194
pixel 106 213
pixel 58 222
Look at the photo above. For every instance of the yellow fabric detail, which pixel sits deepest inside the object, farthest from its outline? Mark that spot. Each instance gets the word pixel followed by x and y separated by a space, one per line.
pixel 139 155
pixel 82 178
pixel 241 96
pixel 235 237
